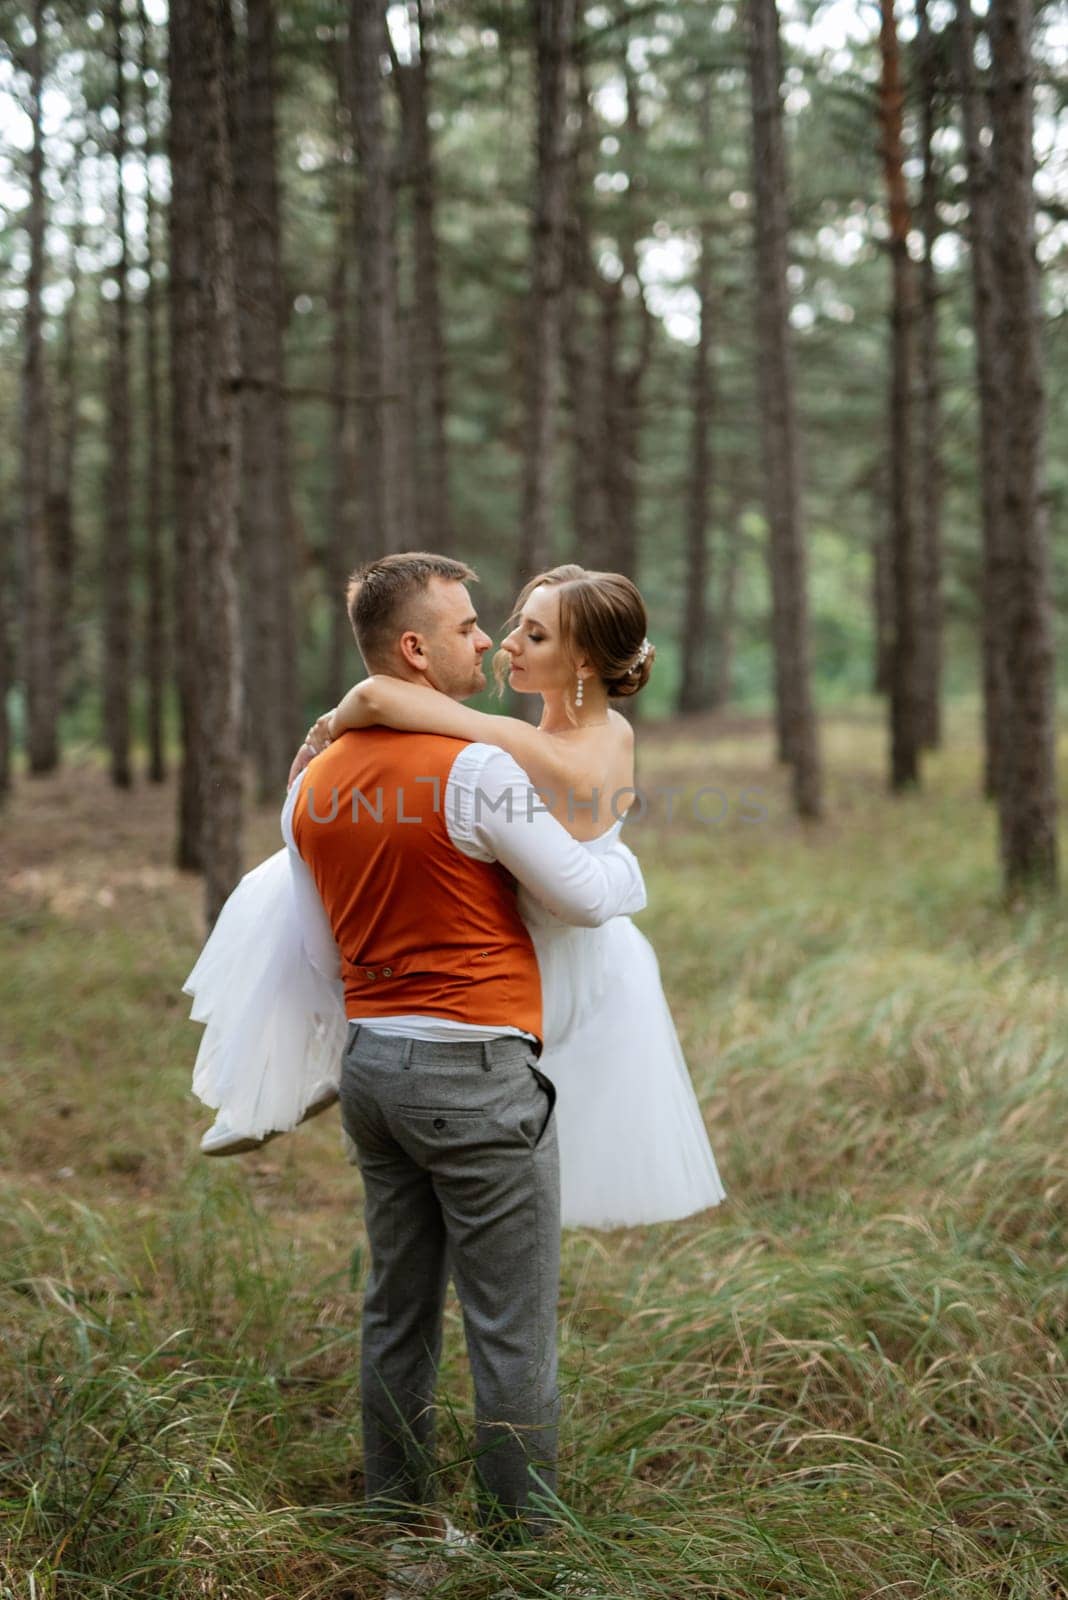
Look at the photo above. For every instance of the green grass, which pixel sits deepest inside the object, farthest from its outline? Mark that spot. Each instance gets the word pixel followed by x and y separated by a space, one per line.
pixel 849 1381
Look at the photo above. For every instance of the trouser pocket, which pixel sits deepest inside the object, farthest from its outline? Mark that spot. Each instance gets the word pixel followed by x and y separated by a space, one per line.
pixel 548 1089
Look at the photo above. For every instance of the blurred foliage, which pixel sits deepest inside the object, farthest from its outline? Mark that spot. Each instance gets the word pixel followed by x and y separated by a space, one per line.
pixel 482 120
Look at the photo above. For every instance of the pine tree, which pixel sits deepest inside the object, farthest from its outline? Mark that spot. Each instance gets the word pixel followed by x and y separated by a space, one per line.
pixel 217 438
pixel 905 726
pixel 981 229
pixel 694 690
pixel 552 23
pixel 118 659
pixel 37 604
pixel 270 635
pixel 931 474
pixel 1027 798
pixel 798 740
pixel 376 339
pixel 156 575
pixel 186 356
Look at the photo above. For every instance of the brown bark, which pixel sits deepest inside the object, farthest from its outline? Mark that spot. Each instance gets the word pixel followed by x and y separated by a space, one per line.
pixel 404 317
pixel 623 375
pixel 61 505
pixel 882 588
pixel 267 532
pixel 155 644
pixel 37 604
pixel 580 366
pixel 118 652
pixel 376 297
pixel 981 227
pixel 426 341
pixel 721 688
pixel 1027 799
pixel 798 739
pixel 694 691
pixel 342 554
pixel 217 438
pixel 6 663
pixel 931 476
pixel 553 24
pixel 185 281
pixel 904 675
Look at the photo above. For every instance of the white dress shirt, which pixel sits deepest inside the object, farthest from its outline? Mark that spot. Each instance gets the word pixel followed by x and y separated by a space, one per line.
pixel 492 813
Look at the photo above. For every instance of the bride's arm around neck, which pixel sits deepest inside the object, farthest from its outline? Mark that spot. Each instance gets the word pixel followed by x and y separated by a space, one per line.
pixel 560 763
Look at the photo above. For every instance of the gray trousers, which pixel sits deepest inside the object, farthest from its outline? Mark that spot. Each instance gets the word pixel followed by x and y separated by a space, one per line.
pixel 456 1144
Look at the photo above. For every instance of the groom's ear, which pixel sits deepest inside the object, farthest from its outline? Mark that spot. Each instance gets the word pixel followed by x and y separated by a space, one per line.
pixel 412 652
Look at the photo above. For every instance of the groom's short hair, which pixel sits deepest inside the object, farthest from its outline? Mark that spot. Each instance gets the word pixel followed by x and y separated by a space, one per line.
pixel 384 598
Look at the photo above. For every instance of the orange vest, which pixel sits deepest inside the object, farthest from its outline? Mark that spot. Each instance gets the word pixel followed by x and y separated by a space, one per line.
pixel 422 928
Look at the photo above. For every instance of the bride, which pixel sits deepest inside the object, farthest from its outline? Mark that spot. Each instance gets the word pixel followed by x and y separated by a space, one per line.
pixel 632 1141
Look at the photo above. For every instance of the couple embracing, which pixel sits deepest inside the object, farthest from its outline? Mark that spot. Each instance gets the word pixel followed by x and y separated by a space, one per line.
pixel 465 952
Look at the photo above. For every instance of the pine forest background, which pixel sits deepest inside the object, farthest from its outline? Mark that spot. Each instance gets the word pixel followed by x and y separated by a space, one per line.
pixel 483 279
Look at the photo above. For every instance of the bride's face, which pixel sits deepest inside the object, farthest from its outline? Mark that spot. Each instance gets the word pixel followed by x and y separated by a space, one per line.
pixel 537 661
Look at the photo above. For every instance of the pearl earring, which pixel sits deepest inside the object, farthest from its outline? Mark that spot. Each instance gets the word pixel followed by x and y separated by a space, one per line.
pixel 579 691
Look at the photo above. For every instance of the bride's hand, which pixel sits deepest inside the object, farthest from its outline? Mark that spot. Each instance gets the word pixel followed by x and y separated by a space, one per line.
pixel 318 735
pixel 316 739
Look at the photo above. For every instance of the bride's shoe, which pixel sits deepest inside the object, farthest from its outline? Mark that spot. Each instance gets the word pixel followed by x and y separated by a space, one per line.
pixel 223 1139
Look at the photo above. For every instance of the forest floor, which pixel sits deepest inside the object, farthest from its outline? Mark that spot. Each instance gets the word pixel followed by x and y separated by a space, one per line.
pixel 847 1381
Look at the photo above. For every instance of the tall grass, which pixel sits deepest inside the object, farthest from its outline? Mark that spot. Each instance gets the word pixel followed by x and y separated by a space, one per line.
pixel 849 1381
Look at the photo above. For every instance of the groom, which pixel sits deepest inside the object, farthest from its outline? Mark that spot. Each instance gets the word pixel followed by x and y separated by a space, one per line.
pixel 411 843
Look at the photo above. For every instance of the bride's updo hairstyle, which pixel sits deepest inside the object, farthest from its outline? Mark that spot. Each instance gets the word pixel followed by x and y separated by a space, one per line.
pixel 603 618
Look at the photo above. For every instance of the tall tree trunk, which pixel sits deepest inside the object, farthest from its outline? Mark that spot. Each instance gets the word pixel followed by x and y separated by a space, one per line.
pixel 342 553
pixel 799 742
pixel 404 317
pixel 882 586
pixel 553 23
pixel 375 331
pixel 724 617
pixel 581 368
pixel 155 646
pixel 267 534
pixel 61 505
pixel 117 630
pixel 6 664
pixel 622 378
pixel 426 342
pixel 930 616
pixel 217 440
pixel 38 612
pixel 185 289
pixel 905 727
pixel 693 688
pixel 1027 800
pixel 981 229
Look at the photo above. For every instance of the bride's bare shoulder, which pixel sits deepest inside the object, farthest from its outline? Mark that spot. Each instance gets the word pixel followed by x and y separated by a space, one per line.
pixel 622 727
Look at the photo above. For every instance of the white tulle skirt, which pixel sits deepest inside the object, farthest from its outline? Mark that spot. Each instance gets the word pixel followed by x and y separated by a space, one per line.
pixel 633 1146
pixel 275 1025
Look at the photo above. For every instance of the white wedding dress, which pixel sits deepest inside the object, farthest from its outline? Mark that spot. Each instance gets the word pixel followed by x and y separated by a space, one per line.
pixel 633 1146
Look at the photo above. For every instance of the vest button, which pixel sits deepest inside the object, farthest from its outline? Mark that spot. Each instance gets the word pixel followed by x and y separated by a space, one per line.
pixel 387 972
pixel 368 973
pixel 439 1122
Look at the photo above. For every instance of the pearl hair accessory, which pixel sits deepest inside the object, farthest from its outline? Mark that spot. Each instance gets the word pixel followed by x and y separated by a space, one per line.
pixel 640 657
